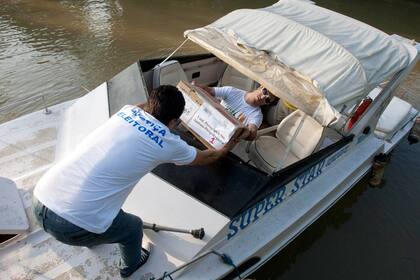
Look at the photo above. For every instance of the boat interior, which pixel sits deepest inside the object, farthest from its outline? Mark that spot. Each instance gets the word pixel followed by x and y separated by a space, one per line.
pixel 286 136
pixel 288 142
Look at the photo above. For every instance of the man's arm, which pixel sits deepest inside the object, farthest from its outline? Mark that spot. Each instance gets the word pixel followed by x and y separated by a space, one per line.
pixel 249 132
pixel 205 88
pixel 252 128
pixel 207 156
pixel 210 155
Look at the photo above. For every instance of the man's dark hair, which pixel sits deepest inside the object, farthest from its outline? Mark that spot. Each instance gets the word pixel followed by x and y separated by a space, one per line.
pixel 165 103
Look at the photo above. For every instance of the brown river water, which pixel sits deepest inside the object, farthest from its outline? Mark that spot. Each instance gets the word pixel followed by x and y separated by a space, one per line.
pixel 52 51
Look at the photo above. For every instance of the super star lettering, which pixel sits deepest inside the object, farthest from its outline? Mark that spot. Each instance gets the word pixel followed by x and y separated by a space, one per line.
pixel 149 128
pixel 254 213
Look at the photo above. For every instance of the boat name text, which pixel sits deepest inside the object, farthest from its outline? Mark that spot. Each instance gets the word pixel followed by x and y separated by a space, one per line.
pixel 260 209
pixel 252 214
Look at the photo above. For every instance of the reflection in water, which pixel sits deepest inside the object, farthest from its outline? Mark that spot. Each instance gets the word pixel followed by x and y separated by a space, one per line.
pixel 60 49
pixel 56 48
pixel 64 46
pixel 99 20
pixel 27 59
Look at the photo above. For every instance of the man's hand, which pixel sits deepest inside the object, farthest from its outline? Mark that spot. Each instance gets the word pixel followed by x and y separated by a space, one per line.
pixel 211 155
pixel 230 145
pixel 252 132
pixel 244 134
pixel 249 133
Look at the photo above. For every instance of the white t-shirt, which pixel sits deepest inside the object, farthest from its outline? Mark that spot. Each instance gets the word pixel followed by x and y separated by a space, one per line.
pixel 90 185
pixel 233 100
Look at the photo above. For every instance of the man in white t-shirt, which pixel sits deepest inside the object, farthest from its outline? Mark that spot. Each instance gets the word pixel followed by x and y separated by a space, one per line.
pixel 243 105
pixel 79 199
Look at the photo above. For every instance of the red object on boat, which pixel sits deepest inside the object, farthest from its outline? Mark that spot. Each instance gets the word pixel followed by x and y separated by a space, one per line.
pixel 359 111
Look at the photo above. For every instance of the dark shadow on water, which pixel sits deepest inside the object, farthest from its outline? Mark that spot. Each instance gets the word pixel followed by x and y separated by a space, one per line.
pixel 371 233
pixel 334 218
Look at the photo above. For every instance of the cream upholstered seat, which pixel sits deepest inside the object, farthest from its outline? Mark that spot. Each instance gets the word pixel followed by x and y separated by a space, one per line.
pixel 169 73
pixel 234 78
pixel 395 116
pixel 268 152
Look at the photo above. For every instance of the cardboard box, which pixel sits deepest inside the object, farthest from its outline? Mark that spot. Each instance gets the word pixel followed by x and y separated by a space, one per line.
pixel 205 118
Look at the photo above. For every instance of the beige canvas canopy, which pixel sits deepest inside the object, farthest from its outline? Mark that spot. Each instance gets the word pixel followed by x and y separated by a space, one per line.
pixel 314 58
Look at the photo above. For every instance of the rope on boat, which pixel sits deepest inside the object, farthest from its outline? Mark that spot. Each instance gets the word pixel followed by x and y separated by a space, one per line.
pixel 228 260
pixel 169 56
pixel 166 274
pixel 224 257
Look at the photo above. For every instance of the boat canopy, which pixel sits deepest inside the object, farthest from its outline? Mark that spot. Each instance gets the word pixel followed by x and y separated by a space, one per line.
pixel 312 57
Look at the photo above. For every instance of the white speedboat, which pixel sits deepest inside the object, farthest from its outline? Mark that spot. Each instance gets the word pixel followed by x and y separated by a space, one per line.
pixel 339 73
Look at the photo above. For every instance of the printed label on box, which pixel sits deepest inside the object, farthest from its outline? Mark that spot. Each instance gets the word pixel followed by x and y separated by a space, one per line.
pixel 206 118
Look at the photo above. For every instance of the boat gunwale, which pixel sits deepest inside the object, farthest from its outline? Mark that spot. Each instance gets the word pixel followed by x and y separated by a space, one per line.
pixel 287 174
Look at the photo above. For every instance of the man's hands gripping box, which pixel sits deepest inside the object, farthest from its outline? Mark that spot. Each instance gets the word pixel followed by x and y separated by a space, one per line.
pixel 205 118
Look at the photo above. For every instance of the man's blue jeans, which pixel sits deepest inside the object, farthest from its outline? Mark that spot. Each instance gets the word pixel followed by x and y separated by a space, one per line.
pixel 126 230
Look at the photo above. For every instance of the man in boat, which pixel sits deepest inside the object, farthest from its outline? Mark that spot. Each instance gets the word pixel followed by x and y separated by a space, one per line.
pixel 246 106
pixel 78 201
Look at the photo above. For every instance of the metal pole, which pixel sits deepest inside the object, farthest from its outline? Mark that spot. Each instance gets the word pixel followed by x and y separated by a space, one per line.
pixel 47 111
pixel 196 233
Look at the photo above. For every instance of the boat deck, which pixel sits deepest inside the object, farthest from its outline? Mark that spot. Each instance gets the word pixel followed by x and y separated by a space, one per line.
pixel 27 150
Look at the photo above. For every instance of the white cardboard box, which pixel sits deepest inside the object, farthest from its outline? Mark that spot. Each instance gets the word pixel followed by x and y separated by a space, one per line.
pixel 206 118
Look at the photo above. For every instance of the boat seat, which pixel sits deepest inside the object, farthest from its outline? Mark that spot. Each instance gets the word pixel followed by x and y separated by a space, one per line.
pixel 393 118
pixel 274 114
pixel 234 78
pixel 267 152
pixel 169 73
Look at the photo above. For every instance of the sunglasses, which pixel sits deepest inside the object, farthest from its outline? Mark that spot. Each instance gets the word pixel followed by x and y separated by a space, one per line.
pixel 267 99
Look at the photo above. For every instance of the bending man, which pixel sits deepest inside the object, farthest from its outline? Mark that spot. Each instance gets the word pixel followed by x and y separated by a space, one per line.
pixel 78 201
